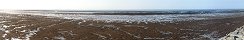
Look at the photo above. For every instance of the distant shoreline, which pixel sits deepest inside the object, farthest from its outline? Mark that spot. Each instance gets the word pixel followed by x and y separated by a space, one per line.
pixel 134 12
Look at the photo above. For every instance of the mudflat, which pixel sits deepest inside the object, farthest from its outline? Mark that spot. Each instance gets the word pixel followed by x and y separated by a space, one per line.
pixel 34 27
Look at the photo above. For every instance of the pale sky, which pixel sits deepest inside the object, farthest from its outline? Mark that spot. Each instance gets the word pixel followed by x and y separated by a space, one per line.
pixel 121 4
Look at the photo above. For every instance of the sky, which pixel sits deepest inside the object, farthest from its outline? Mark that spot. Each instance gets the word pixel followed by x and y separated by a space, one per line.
pixel 121 4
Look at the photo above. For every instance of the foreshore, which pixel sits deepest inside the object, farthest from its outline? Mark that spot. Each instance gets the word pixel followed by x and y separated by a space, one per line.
pixel 34 27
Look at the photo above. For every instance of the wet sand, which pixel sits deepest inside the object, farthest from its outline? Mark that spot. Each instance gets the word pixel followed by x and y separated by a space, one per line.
pixel 35 27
